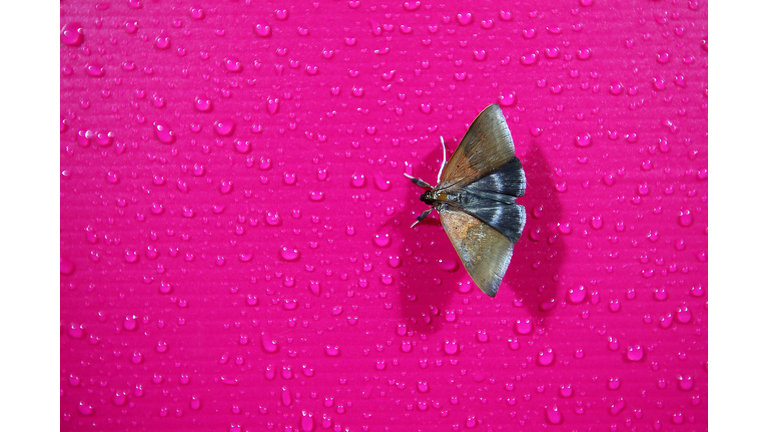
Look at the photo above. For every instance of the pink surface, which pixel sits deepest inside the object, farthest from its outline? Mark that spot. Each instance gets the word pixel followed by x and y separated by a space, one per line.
pixel 234 220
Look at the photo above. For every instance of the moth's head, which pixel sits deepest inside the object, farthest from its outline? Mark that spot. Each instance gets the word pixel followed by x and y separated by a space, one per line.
pixel 426 198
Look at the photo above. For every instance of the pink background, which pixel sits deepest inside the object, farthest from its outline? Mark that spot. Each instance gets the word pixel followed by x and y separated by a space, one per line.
pixel 254 269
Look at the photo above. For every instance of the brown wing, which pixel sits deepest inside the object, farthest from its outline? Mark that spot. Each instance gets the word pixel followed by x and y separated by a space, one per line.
pixel 486 146
pixel 484 251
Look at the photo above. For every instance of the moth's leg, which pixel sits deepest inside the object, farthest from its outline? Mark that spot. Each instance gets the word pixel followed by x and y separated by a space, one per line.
pixel 422 216
pixel 440 173
pixel 419 182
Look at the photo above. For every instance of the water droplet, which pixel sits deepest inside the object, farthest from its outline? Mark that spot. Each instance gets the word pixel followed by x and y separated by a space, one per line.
pixel 523 326
pixel 464 18
pixel 448 264
pixel 507 100
pixel 583 140
pixel 76 331
pixel 685 383
pixel 66 266
pixel 546 357
pixel 196 12
pixel 273 218
pixel 617 407
pixel 72 34
pixel 162 42
pixel 164 133
pixel 262 29
pixel 120 398
pixel 382 240
pixel 268 343
pixel 130 323
pixel 94 70
pixel 85 409
pixel 381 183
pixel 242 146
pixel 685 218
pixel 273 104
pixel 451 347
pixel 358 180
pixel 233 65
pixel 203 104
pixel 289 178
pixel 683 314
pixel 554 416
pixel 289 253
pixel 635 352
pixel 584 54
pixel 577 295
pixel 195 403
pixel 530 58
pixel 131 256
pixel 307 422
pixel 224 127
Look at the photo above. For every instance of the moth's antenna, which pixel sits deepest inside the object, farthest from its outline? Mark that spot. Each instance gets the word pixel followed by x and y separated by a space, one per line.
pixel 419 182
pixel 440 173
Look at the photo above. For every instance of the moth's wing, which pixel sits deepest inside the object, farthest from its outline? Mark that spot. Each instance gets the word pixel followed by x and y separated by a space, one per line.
pixel 484 251
pixel 504 183
pixel 486 147
pixel 509 219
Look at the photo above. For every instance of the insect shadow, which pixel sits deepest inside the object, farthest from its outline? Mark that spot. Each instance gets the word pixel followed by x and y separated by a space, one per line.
pixel 534 273
pixel 425 288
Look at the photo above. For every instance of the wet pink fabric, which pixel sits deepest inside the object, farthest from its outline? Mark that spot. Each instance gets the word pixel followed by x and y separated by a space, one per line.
pixel 235 250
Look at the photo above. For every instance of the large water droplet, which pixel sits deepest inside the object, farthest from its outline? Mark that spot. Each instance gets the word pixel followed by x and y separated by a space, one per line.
pixel 72 34
pixel 164 133
pixel 262 29
pixel 554 416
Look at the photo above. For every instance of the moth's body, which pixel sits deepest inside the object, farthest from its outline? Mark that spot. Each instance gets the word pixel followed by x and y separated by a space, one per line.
pixel 439 199
pixel 476 199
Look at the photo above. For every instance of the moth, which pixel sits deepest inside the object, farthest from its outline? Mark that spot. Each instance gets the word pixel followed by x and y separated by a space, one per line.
pixel 475 198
